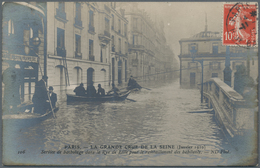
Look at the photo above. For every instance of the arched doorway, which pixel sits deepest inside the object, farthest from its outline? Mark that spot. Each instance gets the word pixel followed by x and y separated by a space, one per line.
pixel 90 76
pixel 104 78
pixel 59 75
pixel 119 72
pixel 78 75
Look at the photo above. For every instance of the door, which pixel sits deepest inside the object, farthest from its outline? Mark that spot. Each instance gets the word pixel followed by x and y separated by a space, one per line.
pixel 192 79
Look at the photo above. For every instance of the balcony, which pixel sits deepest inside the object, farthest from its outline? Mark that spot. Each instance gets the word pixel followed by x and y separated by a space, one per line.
pixel 91 29
pixel 134 62
pixel 78 23
pixel 106 33
pixel 78 55
pixel 136 47
pixel 113 48
pixel 61 51
pixel 60 15
pixel 91 58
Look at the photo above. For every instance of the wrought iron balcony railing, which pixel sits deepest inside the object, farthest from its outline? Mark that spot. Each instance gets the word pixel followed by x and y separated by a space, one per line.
pixel 91 28
pixel 91 57
pixel 61 51
pixel 78 55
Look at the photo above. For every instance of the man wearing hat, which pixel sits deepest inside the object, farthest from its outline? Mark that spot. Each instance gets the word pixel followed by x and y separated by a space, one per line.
pixel 53 97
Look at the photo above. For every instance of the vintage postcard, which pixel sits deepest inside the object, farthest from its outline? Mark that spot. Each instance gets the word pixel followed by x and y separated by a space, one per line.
pixel 88 83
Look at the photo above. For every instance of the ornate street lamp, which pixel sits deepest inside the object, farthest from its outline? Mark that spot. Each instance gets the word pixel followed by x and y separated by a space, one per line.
pixel 193 51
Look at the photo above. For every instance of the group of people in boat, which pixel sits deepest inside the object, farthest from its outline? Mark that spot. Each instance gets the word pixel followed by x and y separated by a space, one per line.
pixel 92 92
pixel 43 100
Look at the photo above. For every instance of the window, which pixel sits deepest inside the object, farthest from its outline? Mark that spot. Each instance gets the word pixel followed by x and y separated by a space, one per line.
pixel 215 48
pixel 113 22
pixel 62 6
pixel 78 11
pixel 106 25
pixel 214 75
pixel 101 55
pixel 119 41
pixel 91 21
pixel 91 50
pixel 119 26
pixel 214 65
pixel 135 40
pixel 125 30
pixel 60 12
pixel 135 24
pixel 60 42
pixel 113 44
pixel 78 44
pixel 126 49
pixel 10 27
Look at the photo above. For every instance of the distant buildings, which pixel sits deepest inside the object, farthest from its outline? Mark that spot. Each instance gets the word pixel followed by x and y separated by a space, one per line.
pixel 208 46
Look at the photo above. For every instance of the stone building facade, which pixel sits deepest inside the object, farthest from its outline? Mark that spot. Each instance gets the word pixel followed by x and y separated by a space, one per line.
pixel 208 46
pixel 80 43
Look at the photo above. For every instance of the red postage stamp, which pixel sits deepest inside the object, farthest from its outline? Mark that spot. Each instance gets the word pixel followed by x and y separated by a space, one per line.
pixel 240 24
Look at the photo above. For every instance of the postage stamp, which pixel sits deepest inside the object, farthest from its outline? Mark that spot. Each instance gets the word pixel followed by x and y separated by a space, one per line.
pixel 240 24
pixel 114 83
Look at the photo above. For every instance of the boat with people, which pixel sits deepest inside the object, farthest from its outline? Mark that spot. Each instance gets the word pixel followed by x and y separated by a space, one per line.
pixel 26 117
pixel 110 97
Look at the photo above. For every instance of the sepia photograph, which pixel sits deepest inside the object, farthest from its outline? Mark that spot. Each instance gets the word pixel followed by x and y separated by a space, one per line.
pixel 91 83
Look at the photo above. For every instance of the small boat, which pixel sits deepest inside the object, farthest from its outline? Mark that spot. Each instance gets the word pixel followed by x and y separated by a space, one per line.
pixel 121 96
pixel 25 118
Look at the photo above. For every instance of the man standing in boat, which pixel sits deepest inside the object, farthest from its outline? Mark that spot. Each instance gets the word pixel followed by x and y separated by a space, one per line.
pixel 53 98
pixel 80 90
pixel 132 84
pixel 40 96
pixel 91 91
pixel 101 91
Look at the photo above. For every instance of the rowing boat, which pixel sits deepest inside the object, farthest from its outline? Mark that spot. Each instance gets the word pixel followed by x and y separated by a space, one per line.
pixel 121 96
pixel 25 117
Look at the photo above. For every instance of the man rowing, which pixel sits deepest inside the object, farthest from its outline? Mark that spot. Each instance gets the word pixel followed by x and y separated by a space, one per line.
pixel 132 84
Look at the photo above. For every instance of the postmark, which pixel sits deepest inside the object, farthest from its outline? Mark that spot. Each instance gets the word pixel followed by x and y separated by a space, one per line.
pixel 240 24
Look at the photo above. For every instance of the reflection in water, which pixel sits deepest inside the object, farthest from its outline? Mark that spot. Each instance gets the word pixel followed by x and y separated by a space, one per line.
pixel 158 117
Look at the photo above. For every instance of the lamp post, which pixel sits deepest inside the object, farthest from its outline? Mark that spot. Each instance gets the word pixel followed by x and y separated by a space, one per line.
pixel 227 71
pixel 193 51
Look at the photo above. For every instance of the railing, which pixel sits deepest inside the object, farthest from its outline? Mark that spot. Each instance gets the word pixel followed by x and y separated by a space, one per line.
pixel 91 28
pixel 113 49
pixel 78 22
pixel 106 33
pixel 132 46
pixel 61 51
pixel 78 55
pixel 91 57
pixel 60 14
pixel 230 103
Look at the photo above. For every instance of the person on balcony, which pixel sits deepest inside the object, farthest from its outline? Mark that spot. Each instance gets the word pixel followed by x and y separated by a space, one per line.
pixel 101 91
pixel 91 91
pixel 80 90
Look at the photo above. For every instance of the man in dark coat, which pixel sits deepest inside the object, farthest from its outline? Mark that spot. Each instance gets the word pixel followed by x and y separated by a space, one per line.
pixel 132 84
pixel 91 91
pixel 80 90
pixel 53 98
pixel 101 91
pixel 40 96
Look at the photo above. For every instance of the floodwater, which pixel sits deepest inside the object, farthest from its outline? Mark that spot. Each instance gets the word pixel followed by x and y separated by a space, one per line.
pixel 159 120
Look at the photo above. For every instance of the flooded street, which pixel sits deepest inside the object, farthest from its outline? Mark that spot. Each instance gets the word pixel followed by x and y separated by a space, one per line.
pixel 158 117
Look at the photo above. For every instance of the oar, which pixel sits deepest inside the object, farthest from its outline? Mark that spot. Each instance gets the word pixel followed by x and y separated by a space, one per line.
pixel 146 88
pixel 130 100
